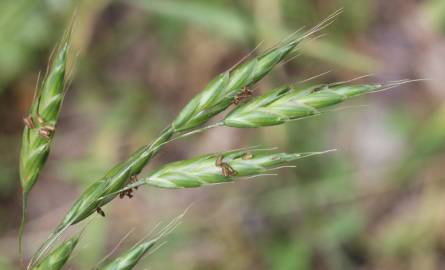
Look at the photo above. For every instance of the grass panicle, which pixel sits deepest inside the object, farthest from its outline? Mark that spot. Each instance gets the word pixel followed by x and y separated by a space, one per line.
pixel 216 97
pixel 218 168
pixel 290 103
pixel 58 258
pixel 231 87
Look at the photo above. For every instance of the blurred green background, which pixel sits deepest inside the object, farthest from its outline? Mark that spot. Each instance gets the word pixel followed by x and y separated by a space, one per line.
pixel 378 203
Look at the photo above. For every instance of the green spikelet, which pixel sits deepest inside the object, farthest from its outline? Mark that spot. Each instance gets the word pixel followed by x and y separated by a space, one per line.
pixel 41 122
pixel 218 168
pixel 129 259
pixel 289 103
pixel 58 258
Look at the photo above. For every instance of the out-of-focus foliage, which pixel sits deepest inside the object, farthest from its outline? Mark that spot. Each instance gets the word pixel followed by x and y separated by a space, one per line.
pixel 210 15
pixel 26 29
pixel 434 10
pixel 376 204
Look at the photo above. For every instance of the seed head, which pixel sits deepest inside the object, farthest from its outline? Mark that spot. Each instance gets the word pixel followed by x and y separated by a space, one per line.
pixel 129 259
pixel 39 125
pixel 289 103
pixel 57 259
pixel 208 169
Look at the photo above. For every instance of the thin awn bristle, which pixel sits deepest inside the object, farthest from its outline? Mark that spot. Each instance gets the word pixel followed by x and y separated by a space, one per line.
pixel 261 175
pixel 289 38
pixel 282 167
pixel 395 84
pixel 115 248
pixel 356 78
pixel 156 248
pixel 247 56
pixel 339 109
pixel 37 86
pixel 296 36
pixel 314 77
pixel 323 24
pixel 291 58
pixel 144 247
pixel 169 228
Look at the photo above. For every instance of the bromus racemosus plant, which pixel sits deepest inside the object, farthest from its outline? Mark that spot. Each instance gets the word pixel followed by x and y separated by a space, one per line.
pixel 40 125
pixel 216 97
pixel 231 88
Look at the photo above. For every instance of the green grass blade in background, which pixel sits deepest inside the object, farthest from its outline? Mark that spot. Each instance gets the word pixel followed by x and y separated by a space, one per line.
pixel 429 142
pixel 434 10
pixel 225 21
pixel 220 20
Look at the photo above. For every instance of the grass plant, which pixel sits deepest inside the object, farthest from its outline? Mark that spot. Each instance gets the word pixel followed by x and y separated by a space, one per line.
pixel 231 89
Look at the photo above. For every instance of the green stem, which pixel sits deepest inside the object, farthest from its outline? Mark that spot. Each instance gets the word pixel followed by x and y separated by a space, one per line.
pixel 22 226
pixel 199 130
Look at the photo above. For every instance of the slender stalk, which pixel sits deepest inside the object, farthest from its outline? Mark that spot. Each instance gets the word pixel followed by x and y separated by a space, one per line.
pixel 22 226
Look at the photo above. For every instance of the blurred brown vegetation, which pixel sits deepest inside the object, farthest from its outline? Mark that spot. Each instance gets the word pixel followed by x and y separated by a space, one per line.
pixel 378 203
